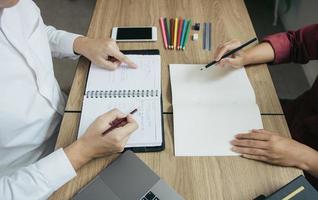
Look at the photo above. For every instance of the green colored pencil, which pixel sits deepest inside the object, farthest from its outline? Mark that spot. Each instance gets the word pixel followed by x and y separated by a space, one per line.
pixel 167 23
pixel 187 34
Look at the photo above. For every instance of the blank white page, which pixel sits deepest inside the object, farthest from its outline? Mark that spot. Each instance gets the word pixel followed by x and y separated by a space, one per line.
pixel 207 130
pixel 213 85
pixel 209 108
pixel 145 77
pixel 148 117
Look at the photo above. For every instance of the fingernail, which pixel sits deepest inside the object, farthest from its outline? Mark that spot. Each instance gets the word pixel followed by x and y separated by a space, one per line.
pixel 134 65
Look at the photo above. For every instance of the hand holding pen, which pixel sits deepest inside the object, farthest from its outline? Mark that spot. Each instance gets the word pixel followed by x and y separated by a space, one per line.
pixel 118 122
pixel 107 135
pixel 230 53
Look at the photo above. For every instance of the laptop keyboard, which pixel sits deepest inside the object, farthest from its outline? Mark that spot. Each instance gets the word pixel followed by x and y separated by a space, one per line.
pixel 150 196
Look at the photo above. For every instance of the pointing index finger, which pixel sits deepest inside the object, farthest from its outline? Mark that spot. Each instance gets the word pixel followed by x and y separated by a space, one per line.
pixel 121 57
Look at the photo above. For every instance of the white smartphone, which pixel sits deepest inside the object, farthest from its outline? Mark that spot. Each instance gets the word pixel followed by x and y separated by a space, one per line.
pixel 135 34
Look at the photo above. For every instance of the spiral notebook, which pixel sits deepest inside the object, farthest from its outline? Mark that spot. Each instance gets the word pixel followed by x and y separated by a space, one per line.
pixel 127 89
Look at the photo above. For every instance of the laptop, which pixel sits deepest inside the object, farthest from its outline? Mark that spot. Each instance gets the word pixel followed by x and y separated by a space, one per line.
pixel 127 178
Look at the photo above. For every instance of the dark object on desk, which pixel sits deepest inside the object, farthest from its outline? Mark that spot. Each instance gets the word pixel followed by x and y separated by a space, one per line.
pixel 260 197
pixel 196 27
pixel 231 52
pixel 127 178
pixel 297 189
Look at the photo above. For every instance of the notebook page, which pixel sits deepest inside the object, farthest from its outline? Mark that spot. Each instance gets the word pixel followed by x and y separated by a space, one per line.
pixel 207 130
pixel 148 117
pixel 214 85
pixel 146 77
pixel 209 108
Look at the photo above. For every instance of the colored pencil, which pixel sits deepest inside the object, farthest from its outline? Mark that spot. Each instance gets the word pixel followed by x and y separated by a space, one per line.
pixel 172 32
pixel 175 35
pixel 184 28
pixel 187 34
pixel 163 32
pixel 179 32
pixel 167 25
pixel 119 122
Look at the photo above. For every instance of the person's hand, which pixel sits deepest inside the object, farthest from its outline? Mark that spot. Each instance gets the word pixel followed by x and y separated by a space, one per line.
pixel 94 144
pixel 236 60
pixel 269 147
pixel 103 52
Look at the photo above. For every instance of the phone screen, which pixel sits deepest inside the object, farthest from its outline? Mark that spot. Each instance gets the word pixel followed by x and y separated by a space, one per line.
pixel 134 33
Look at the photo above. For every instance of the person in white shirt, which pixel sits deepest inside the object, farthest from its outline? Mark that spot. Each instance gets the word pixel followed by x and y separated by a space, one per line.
pixel 32 105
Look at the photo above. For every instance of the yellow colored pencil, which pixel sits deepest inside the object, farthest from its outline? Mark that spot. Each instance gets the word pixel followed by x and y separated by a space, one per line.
pixel 175 33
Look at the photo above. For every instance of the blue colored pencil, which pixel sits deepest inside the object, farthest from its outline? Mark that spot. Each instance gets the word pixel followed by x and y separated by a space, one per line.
pixel 187 34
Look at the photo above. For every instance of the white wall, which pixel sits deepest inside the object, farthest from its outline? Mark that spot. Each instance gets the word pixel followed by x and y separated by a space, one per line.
pixel 301 13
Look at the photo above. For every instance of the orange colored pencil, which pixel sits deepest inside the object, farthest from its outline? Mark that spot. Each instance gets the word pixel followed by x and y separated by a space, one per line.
pixel 180 25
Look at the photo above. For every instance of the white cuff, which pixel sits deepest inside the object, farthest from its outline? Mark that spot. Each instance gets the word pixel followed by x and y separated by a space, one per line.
pixel 67 43
pixel 56 168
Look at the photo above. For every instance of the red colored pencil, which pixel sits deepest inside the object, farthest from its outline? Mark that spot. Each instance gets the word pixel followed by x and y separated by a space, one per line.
pixel 118 123
pixel 179 32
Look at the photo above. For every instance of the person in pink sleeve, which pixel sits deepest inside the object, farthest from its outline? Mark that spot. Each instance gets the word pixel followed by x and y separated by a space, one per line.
pixel 299 46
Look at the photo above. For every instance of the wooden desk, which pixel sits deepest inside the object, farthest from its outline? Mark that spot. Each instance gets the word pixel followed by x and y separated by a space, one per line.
pixel 192 177
pixel 229 20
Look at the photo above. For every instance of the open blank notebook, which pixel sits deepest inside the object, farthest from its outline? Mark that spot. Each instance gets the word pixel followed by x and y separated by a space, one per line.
pixel 209 108
pixel 127 89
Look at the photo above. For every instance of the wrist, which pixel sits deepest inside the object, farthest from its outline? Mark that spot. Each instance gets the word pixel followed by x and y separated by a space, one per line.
pixel 79 44
pixel 308 159
pixel 77 154
pixel 246 60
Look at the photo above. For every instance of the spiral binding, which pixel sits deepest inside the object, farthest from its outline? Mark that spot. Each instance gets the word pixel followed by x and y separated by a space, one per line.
pixel 121 93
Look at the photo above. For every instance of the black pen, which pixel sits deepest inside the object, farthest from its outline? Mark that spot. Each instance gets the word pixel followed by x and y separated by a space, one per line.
pixel 230 53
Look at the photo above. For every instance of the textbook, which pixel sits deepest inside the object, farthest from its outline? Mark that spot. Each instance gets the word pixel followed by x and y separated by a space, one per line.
pixel 128 89
pixel 210 107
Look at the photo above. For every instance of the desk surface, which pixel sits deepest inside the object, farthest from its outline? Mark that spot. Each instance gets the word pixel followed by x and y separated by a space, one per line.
pixel 230 20
pixel 193 177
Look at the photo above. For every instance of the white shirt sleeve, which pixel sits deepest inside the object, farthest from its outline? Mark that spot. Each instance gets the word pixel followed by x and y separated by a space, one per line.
pixel 61 42
pixel 39 180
